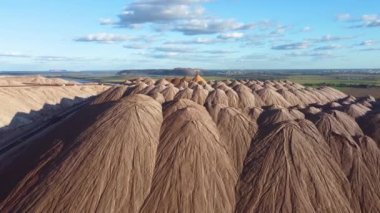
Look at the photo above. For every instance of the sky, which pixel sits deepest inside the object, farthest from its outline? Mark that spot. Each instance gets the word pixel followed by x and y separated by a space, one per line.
pixel 40 35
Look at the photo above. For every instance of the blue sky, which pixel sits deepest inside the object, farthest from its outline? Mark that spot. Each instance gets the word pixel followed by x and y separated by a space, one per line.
pixel 210 34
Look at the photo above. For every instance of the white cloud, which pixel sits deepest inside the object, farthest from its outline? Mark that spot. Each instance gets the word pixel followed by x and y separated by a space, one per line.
pixel 14 55
pixel 173 49
pixel 366 20
pixel 330 38
pixel 343 17
pixel 372 20
pixel 159 11
pixel 59 58
pixel 306 29
pixel 319 55
pixel 233 35
pixel 210 26
pixel 367 43
pixel 328 47
pixel 279 30
pixel 107 21
pixel 195 41
pixel 103 38
pixel 292 46
pixel 186 16
pixel 135 46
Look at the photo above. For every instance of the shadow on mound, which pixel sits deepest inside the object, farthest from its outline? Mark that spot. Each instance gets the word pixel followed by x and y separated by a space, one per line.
pixel 21 119
pixel 20 159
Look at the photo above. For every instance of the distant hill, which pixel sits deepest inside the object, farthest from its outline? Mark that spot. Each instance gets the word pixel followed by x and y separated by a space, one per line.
pixel 162 72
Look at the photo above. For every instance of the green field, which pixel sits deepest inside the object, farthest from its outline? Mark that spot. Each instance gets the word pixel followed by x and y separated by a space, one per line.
pixel 337 80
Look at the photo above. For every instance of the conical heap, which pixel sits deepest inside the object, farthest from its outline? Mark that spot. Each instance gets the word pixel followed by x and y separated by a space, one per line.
pixel 197 175
pixel 236 132
pixel 289 169
pixel 349 155
pixel 110 170
pixel 103 157
pixel 198 78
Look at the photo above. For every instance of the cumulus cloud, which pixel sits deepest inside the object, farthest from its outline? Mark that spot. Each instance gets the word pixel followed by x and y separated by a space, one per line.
pixel 367 43
pixel 107 21
pixel 141 12
pixel 306 29
pixel 135 46
pixel 370 49
pixel 209 26
pixel 14 55
pixel 218 52
pixel 319 55
pixel 372 20
pixel 233 35
pixel 173 49
pixel 279 30
pixel 330 38
pixel 48 58
pixel 328 47
pixel 343 17
pixel 253 57
pixel 186 16
pixel 366 20
pixel 164 55
pixel 292 46
pixel 194 41
pixel 103 38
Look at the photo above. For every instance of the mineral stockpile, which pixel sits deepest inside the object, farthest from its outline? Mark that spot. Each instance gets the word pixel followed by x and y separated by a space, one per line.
pixel 33 98
pixel 187 145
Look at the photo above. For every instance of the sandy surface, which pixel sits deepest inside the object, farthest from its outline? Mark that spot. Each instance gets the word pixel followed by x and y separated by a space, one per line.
pixel 22 103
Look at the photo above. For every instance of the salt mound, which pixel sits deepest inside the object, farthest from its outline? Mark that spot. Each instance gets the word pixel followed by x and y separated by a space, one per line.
pixel 370 124
pixel 199 95
pixel 158 88
pixel 233 98
pixel 31 80
pixel 215 97
pixel 254 113
pixel 146 90
pixel 289 168
pixel 40 102
pixel 186 93
pixel 348 123
pixel 112 94
pixel 170 92
pixel 357 110
pixel 303 97
pixel 97 174
pixel 273 116
pixel 331 92
pixel 334 105
pixel 348 154
pixel 248 100
pixel 197 175
pixel 343 147
pixel 296 113
pixel 271 97
pixel 199 79
pixel 214 110
pixel 311 110
pixel 138 88
pixel 236 132
pixel 158 97
pixel 317 95
pixel 173 106
pixel 290 97
pixel 162 81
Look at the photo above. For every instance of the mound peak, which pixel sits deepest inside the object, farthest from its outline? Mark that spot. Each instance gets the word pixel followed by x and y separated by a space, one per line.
pixel 110 168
